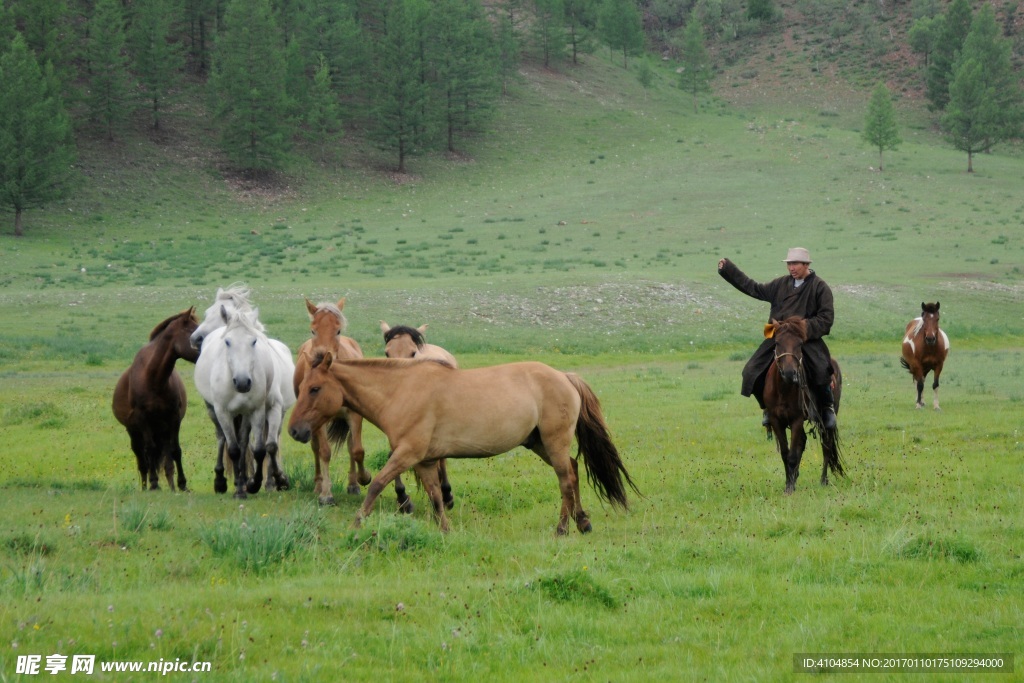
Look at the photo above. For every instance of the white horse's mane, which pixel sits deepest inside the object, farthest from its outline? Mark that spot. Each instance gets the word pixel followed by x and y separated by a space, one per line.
pixel 237 293
pixel 335 311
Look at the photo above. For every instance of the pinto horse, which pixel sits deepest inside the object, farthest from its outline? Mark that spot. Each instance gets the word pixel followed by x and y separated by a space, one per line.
pixel 430 411
pixel 150 400
pixel 790 402
pixel 925 347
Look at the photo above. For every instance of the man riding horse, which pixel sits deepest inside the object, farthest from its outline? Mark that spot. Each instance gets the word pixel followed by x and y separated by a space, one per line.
pixel 802 294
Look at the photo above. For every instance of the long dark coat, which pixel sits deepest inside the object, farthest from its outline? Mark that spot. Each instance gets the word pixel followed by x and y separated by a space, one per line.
pixel 811 301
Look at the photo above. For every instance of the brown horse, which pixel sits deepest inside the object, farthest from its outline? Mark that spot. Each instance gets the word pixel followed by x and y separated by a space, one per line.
pixel 790 402
pixel 925 347
pixel 429 411
pixel 327 326
pixel 408 342
pixel 150 400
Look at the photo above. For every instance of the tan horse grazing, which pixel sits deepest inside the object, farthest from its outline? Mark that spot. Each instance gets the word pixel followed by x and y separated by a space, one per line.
pixel 408 342
pixel 150 399
pixel 925 347
pixel 429 411
pixel 790 403
pixel 327 327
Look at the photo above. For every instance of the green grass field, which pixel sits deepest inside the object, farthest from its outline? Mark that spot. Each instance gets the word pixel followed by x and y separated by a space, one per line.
pixel 586 238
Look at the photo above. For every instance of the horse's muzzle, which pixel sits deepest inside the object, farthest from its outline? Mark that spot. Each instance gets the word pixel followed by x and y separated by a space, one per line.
pixel 301 433
pixel 931 341
pixel 242 384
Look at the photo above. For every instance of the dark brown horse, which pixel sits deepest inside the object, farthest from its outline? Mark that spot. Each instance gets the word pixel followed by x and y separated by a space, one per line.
pixel 925 347
pixel 150 400
pixel 790 403
pixel 429 411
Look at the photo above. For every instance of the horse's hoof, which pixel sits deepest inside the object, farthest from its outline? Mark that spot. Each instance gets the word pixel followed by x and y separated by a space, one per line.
pixel 562 530
pixel 240 494
pixel 326 501
pixel 449 503
pixel 365 479
pixel 407 507
pixel 282 483
pixel 254 486
pixel 353 490
pixel 220 485
pixel 585 527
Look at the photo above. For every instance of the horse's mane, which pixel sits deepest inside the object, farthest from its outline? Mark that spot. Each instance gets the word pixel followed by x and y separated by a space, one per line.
pixel 237 293
pixel 318 358
pixel 247 323
pixel 164 325
pixel 930 308
pixel 798 324
pixel 399 330
pixel 335 311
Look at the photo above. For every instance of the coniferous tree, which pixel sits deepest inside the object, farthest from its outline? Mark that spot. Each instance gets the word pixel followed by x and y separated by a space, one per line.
pixel 880 128
pixel 158 61
pixel 401 94
pixel 108 78
pixel 248 90
pixel 924 35
pixel 619 25
pixel 35 134
pixel 581 23
pixel 695 77
pixel 465 68
pixel 47 28
pixel 956 25
pixel 323 115
pixel 985 98
pixel 548 31
pixel 507 41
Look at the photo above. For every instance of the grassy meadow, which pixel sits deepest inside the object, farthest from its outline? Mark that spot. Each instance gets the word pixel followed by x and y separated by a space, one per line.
pixel 587 237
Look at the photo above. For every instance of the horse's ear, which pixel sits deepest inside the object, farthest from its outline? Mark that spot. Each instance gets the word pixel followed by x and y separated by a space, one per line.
pixel 311 307
pixel 769 329
pixel 922 305
pixel 328 359
pixel 341 303
pixel 422 329
pixel 224 314
pixel 936 306
pixel 384 327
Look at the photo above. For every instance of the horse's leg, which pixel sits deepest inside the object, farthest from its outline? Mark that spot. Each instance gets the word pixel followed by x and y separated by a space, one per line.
pixel 139 449
pixel 581 517
pixel 782 445
pixel 275 416
pixel 258 420
pixel 404 501
pixel 236 441
pixel 153 457
pixel 446 487
pixel 935 386
pixel 357 474
pixel 796 451
pixel 555 452
pixel 431 482
pixel 321 447
pixel 398 462
pixel 220 484
pixel 919 383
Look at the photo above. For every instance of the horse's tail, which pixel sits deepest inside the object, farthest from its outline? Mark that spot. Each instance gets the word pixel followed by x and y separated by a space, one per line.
pixel 905 364
pixel 604 466
pixel 337 432
pixel 831 451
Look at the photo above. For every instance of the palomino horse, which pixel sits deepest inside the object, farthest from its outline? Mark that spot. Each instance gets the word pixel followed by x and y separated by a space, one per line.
pixel 790 402
pixel 430 411
pixel 408 342
pixel 925 348
pixel 236 376
pixel 327 325
pixel 150 400
pixel 236 299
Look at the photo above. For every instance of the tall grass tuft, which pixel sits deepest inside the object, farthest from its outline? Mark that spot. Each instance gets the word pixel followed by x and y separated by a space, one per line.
pixel 576 586
pixel 255 545
pixel 386 533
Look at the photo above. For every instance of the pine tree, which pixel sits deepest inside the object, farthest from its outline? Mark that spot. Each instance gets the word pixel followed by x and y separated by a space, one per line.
pixel 157 60
pixel 548 30
pixel 581 22
pixel 619 25
pixel 36 148
pixel 956 25
pixel 880 123
pixel 985 98
pixel 323 116
pixel 108 65
pixel 695 77
pixel 248 89
pixel 401 94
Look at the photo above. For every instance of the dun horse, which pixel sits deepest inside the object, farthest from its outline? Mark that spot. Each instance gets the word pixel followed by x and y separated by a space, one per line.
pixel 925 347
pixel 429 411
pixel 408 342
pixel 327 325
pixel 790 403
pixel 150 400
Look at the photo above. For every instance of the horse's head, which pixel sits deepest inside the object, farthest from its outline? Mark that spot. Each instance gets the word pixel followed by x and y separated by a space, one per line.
pixel 326 323
pixel 242 333
pixel 319 399
pixel 401 341
pixel 789 336
pixel 930 322
pixel 234 298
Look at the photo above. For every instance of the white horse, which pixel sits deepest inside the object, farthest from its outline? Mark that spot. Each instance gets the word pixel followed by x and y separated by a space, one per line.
pixel 245 379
